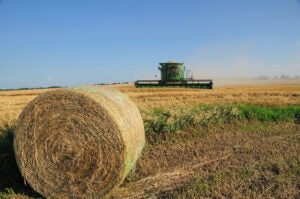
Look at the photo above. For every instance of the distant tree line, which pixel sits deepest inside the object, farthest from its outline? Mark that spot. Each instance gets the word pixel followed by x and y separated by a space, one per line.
pixel 25 88
pixel 113 83
pixel 283 77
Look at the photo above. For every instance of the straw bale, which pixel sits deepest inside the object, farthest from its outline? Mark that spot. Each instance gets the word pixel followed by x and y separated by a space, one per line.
pixel 79 142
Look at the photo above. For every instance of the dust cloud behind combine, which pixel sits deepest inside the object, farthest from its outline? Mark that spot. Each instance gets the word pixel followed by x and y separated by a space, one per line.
pixel 244 63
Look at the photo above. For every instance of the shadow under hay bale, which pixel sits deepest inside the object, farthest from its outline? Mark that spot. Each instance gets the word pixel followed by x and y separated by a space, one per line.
pixel 78 143
pixel 10 176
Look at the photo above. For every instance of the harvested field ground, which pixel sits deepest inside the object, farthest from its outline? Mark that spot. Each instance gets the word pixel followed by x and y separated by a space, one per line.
pixel 284 93
pixel 246 158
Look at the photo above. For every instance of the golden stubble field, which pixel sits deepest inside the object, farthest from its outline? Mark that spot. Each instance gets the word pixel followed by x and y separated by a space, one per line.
pixel 281 93
pixel 226 160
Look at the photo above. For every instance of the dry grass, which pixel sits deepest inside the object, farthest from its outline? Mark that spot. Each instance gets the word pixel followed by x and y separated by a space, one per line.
pixel 256 94
pixel 264 160
pixel 12 102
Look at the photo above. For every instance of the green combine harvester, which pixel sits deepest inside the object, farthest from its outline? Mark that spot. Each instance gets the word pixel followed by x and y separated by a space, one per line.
pixel 174 74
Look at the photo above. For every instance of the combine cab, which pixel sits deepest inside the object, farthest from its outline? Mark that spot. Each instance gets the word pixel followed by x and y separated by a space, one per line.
pixel 173 74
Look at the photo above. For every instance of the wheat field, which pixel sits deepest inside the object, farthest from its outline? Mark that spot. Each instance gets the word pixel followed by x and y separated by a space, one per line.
pixel 222 159
pixel 287 93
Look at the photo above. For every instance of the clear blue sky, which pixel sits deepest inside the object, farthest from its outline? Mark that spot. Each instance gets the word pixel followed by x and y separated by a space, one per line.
pixel 71 42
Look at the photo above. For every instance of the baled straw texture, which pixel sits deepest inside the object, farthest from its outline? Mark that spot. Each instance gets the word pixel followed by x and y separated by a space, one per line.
pixel 79 142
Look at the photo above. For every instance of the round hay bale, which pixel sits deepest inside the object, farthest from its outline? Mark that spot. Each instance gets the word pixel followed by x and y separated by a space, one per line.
pixel 79 142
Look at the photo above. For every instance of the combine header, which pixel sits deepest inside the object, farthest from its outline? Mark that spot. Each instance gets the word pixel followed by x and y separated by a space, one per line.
pixel 174 74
